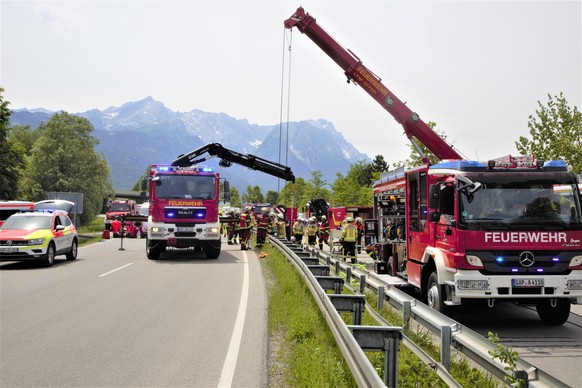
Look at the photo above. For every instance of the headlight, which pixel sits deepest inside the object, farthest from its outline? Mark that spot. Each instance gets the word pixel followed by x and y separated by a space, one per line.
pixel 474 261
pixel 574 284
pixel 36 241
pixel 576 261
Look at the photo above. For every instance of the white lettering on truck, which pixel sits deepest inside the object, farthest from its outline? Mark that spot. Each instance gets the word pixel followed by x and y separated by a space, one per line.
pixel 525 237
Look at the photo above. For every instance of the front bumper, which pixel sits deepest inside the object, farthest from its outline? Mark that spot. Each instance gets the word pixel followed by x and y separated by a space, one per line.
pixel 202 232
pixel 474 285
pixel 23 252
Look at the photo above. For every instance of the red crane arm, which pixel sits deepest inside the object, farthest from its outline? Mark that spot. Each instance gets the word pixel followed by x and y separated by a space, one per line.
pixel 361 75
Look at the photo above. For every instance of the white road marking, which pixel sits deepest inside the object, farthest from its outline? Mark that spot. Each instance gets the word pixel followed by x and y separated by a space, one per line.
pixel 115 270
pixel 229 366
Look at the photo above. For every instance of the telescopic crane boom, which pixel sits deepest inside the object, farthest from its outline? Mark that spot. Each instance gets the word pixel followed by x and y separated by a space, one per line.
pixel 361 75
pixel 228 157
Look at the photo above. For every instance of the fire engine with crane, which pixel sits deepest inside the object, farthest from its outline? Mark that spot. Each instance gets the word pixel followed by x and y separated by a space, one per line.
pixel 184 199
pixel 462 230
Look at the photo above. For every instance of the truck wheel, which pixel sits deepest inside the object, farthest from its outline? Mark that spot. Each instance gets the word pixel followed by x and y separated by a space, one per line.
pixel 554 315
pixel 435 293
pixel 153 249
pixel 72 254
pixel 212 251
pixel 49 258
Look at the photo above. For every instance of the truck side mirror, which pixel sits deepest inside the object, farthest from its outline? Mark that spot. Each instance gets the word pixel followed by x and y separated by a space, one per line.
pixel 434 194
pixel 226 188
pixel 144 184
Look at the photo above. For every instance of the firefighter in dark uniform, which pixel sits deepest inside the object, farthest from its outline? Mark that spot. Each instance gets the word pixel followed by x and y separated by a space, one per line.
pixel 262 226
pixel 245 226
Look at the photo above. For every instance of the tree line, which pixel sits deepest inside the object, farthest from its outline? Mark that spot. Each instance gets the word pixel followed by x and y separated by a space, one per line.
pixel 60 156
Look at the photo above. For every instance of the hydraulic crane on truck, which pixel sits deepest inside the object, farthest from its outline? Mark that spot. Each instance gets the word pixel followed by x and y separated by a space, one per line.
pixel 360 75
pixel 228 157
pixel 468 231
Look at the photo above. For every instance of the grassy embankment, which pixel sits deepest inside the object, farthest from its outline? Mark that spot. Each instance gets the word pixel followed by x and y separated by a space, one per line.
pixel 304 352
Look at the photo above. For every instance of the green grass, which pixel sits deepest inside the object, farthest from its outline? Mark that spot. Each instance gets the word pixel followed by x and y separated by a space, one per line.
pixel 94 229
pixel 308 355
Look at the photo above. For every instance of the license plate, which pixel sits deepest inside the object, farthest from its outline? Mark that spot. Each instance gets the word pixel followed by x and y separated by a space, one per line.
pixel 527 282
pixel 8 250
pixel 185 228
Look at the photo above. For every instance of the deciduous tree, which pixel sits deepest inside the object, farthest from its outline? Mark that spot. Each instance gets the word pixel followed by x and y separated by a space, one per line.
pixel 64 159
pixel 12 160
pixel 556 133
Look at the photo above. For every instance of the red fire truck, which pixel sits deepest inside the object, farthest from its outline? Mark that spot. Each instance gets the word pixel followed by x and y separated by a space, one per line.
pixel 7 208
pixel 116 211
pixel 464 230
pixel 184 199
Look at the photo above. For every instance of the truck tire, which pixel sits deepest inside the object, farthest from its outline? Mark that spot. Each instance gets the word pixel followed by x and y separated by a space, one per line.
pixel 212 250
pixel 553 315
pixel 435 296
pixel 153 249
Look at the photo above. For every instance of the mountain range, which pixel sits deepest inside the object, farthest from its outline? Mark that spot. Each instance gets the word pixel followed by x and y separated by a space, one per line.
pixel 145 132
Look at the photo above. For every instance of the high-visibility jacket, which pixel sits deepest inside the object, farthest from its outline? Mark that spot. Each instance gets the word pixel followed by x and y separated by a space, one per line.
pixel 297 228
pixel 311 229
pixel 350 233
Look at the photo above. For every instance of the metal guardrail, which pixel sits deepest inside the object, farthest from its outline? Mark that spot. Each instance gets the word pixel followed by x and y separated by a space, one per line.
pixel 362 370
pixel 450 333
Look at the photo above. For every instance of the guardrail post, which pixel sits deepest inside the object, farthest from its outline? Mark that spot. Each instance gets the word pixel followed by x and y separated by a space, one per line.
pixel 362 284
pixel 349 275
pixel 522 374
pixel 337 267
pixel 406 314
pixel 381 338
pixel 334 283
pixel 319 270
pixel 328 260
pixel 380 297
pixel 446 347
pixel 349 303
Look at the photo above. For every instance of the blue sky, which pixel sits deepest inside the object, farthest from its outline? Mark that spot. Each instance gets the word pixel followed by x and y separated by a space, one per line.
pixel 476 68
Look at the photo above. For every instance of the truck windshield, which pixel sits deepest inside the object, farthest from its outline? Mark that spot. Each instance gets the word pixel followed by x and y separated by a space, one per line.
pixel 185 187
pixel 118 207
pixel 521 204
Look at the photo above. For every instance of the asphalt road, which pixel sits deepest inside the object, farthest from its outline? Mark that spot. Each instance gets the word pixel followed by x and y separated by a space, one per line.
pixel 113 318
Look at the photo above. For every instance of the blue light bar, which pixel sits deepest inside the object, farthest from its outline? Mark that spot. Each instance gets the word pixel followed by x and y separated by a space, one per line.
pixel 555 259
pixel 458 165
pixel 555 163
pixel 163 168
pixel 500 259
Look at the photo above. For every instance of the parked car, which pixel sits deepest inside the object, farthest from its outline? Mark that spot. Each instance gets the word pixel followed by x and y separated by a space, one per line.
pixel 38 235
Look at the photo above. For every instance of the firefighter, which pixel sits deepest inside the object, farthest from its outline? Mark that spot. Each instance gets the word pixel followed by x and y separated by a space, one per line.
pixel 298 231
pixel 245 226
pixel 281 227
pixel 232 227
pixel 262 226
pixel 311 231
pixel 323 236
pixel 360 226
pixel 349 237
